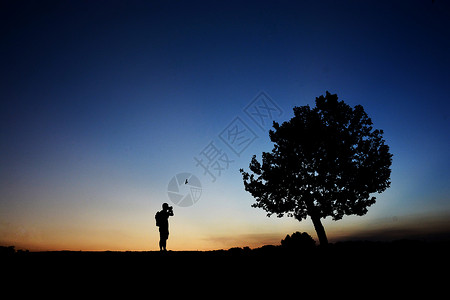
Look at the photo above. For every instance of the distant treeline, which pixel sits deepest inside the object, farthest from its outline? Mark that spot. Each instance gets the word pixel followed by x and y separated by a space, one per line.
pixel 10 250
pixel 288 246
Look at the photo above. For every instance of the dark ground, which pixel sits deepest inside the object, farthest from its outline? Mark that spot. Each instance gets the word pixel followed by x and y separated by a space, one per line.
pixel 353 268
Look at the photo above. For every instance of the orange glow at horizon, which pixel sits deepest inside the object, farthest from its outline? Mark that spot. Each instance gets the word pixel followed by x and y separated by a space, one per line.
pixel 188 238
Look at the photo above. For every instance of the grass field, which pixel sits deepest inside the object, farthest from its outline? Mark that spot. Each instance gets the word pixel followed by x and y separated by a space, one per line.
pixel 403 267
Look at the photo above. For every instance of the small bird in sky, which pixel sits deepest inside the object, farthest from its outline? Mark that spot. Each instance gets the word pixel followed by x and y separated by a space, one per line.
pixel 186 182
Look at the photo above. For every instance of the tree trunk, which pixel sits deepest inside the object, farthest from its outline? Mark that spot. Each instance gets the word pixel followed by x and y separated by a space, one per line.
pixel 320 231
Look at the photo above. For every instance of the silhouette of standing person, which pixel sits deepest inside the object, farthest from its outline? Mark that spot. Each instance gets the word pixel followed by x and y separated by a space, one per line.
pixel 162 221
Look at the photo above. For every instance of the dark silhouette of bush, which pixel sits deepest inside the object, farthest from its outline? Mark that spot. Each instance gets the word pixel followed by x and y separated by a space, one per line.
pixel 7 250
pixel 298 241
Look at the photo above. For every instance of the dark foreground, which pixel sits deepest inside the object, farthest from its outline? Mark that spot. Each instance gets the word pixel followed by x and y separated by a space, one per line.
pixel 396 268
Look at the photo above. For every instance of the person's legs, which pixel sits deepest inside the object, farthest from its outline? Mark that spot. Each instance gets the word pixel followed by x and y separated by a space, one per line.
pixel 162 242
pixel 163 236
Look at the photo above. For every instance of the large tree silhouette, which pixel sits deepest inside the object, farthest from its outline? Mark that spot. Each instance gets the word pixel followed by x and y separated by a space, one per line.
pixel 326 161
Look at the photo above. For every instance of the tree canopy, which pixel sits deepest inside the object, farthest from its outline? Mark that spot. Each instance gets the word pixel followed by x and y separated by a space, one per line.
pixel 326 161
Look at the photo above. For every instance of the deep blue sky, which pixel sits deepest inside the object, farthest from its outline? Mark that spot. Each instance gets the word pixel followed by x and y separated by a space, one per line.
pixel 102 103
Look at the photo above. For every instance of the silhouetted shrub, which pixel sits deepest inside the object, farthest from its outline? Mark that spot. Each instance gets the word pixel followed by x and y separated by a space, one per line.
pixel 298 241
pixel 235 250
pixel 9 250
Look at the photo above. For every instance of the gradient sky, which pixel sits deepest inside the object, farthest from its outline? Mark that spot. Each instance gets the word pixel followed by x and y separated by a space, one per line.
pixel 103 102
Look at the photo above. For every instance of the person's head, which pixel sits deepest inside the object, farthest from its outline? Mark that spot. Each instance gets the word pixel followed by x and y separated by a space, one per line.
pixel 165 206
